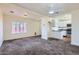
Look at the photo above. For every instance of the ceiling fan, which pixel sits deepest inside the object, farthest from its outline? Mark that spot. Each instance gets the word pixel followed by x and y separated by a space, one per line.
pixel 55 9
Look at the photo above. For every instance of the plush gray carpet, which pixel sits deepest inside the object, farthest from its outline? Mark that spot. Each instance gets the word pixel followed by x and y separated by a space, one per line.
pixel 37 46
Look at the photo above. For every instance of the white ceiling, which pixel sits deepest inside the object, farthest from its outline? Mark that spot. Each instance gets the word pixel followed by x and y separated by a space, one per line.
pixel 44 8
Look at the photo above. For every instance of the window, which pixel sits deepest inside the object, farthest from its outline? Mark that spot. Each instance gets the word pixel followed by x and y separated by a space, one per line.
pixel 19 27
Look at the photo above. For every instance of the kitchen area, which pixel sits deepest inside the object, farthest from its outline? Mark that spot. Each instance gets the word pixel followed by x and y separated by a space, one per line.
pixel 60 27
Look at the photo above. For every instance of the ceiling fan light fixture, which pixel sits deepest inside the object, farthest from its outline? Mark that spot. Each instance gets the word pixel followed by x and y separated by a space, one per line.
pixel 51 12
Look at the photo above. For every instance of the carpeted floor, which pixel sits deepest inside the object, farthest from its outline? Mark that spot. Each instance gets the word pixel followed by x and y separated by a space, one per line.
pixel 37 46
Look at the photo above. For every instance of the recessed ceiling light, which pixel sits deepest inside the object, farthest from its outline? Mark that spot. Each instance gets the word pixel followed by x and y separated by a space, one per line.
pixel 51 12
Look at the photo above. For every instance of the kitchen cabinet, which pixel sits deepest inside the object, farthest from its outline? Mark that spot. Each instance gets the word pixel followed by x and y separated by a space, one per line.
pixel 58 34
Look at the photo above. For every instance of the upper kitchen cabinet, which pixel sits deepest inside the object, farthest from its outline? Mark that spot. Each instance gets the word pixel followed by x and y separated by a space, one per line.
pixel 60 21
pixel 64 20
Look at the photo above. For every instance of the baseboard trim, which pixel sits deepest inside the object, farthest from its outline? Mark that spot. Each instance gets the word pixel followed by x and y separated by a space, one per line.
pixel 53 38
pixel 22 38
pixel 74 44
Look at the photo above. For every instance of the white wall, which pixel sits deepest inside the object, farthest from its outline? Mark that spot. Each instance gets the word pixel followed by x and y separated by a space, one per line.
pixel 32 27
pixel 1 27
pixel 75 28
